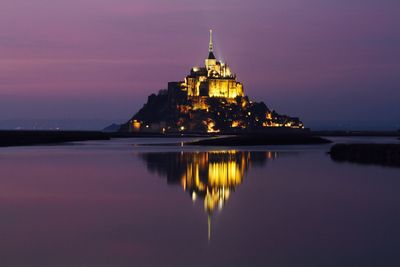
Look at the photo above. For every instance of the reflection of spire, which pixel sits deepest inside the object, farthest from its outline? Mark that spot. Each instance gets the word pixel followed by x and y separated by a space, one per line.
pixel 209 227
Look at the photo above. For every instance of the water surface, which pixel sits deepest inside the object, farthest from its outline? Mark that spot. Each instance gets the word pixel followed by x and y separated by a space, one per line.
pixel 119 203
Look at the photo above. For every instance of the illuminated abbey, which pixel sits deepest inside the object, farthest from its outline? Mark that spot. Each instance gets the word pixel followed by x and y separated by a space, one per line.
pixel 208 100
pixel 213 80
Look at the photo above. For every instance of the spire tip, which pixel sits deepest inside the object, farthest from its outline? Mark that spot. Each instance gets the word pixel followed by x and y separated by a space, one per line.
pixel 211 42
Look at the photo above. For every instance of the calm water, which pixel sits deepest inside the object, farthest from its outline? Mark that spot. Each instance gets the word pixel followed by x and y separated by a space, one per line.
pixel 119 203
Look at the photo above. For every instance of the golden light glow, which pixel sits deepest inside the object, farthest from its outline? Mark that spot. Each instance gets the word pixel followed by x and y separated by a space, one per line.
pixel 214 174
pixel 235 124
pixel 226 88
pixel 210 177
pixel 136 125
pixel 211 127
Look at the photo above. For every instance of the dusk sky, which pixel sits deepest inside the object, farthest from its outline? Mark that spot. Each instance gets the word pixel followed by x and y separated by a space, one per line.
pixel 330 62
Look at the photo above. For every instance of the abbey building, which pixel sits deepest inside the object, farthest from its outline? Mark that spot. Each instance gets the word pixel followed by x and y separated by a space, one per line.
pixel 208 100
pixel 215 79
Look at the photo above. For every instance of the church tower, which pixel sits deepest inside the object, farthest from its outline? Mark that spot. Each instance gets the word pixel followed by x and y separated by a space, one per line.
pixel 211 61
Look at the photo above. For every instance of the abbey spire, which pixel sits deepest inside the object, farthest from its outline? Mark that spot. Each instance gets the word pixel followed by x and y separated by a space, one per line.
pixel 210 47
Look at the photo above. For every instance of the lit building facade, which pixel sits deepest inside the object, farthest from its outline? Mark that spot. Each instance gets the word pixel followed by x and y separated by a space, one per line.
pixel 215 79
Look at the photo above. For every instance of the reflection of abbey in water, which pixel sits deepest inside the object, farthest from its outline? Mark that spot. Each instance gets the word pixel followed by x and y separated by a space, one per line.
pixel 211 176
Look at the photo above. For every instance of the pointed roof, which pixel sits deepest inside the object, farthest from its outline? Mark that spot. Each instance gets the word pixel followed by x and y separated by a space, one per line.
pixel 211 55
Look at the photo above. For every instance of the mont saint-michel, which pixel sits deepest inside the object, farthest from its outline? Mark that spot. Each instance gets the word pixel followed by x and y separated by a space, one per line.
pixel 209 100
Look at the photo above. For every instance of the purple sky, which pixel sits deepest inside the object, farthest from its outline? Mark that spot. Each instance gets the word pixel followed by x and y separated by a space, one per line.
pixel 329 62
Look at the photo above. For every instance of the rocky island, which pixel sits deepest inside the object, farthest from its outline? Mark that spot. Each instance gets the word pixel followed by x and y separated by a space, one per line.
pixel 208 100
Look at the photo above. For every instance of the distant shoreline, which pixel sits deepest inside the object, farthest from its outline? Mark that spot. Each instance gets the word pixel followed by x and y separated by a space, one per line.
pixel 357 133
pixel 10 138
pixel 28 138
